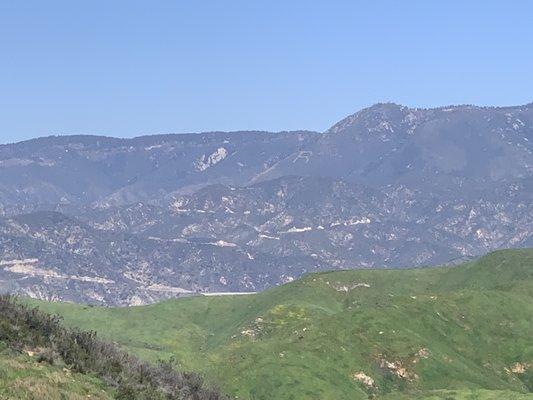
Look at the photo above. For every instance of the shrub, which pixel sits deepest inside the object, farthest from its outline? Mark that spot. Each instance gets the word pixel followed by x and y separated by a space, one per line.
pixel 22 326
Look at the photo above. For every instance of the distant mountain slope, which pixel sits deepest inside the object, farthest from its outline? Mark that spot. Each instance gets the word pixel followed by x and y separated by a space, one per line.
pixel 441 150
pixel 224 239
pixel 76 171
pixel 462 332
pixel 151 217
pixel 50 256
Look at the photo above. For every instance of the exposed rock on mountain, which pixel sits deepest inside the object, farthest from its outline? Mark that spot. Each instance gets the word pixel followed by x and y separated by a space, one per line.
pixel 121 221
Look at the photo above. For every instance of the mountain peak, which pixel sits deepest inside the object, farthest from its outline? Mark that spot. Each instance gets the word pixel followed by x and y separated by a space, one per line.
pixel 384 107
pixel 379 116
pixel 382 117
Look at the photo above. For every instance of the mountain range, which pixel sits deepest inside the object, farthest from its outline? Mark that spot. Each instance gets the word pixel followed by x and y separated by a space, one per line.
pixel 131 221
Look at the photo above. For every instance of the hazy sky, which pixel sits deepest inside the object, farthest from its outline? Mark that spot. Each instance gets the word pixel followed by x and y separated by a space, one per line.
pixel 125 68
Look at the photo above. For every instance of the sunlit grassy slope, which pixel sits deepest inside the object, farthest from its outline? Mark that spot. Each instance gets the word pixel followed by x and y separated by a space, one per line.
pixel 463 332
pixel 23 378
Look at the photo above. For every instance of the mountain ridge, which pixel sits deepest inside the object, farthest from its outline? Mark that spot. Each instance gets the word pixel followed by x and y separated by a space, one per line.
pixel 172 134
pixel 393 186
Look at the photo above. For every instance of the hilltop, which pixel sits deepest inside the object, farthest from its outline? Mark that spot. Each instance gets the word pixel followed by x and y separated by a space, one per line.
pixel 455 332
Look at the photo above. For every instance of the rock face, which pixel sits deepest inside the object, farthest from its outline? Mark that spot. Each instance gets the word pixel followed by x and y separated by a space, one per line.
pixel 129 221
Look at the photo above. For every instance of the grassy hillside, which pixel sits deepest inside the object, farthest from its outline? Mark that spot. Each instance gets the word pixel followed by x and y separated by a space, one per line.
pixel 23 378
pixel 42 359
pixel 463 332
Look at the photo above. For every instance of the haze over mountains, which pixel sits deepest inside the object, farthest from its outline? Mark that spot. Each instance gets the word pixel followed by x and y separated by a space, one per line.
pixel 129 221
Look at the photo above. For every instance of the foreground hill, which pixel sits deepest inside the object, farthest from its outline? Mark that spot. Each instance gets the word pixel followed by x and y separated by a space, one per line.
pixel 462 332
pixel 40 359
pixel 22 377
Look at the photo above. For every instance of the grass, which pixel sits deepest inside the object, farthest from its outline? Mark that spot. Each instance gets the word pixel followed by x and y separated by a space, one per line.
pixel 463 332
pixel 473 394
pixel 23 378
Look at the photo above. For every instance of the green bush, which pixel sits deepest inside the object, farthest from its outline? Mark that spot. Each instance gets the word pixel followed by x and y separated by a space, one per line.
pixel 22 326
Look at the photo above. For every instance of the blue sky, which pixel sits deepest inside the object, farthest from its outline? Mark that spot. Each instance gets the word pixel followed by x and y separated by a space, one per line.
pixel 126 68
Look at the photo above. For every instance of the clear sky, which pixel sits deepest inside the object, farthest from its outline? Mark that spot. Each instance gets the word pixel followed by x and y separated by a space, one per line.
pixel 126 68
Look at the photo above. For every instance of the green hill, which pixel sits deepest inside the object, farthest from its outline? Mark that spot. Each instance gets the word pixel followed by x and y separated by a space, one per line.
pixel 462 332
pixel 22 377
pixel 40 359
